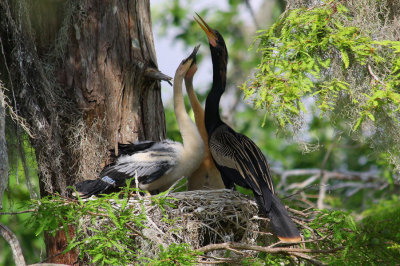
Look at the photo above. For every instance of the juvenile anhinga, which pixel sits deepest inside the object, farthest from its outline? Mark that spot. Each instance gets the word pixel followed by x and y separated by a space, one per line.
pixel 236 156
pixel 207 175
pixel 156 165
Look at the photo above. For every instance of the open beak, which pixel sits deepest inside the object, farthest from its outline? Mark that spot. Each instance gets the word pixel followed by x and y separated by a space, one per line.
pixel 212 38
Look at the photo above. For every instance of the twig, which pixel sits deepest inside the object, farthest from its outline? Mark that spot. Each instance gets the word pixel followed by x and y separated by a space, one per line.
pixel 216 260
pixel 15 213
pixel 305 184
pixel 135 231
pixel 279 243
pixel 373 75
pixel 242 246
pixel 98 214
pixel 301 213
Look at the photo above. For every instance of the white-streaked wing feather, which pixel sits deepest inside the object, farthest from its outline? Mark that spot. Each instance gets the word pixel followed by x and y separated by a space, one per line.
pixel 147 165
pixel 239 153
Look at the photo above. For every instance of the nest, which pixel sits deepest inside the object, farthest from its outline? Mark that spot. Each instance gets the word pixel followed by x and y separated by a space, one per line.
pixel 204 217
pixel 208 220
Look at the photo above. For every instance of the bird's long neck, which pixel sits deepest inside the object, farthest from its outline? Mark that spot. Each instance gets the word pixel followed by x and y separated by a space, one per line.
pixel 212 117
pixel 198 111
pixel 190 135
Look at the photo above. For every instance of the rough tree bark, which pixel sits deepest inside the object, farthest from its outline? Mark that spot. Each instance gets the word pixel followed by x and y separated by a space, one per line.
pixel 3 147
pixel 96 88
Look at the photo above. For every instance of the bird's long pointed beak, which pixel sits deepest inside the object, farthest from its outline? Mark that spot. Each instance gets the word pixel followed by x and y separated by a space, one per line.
pixel 192 56
pixel 212 38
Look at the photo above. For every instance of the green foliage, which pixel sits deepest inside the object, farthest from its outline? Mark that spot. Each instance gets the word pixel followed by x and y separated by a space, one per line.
pixel 381 232
pixel 298 53
pixel 110 240
pixel 175 254
pixel 110 243
pixel 338 223
pixel 375 239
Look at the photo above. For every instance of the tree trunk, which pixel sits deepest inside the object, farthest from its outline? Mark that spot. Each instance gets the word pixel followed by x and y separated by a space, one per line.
pixel 93 90
pixel 108 53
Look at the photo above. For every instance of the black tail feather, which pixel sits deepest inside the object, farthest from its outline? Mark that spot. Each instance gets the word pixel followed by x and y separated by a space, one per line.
pixel 281 223
pixel 89 188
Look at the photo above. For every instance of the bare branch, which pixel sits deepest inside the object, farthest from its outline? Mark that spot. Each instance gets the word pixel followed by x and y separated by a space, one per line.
pixel 12 240
pixel 241 246
pixel 322 191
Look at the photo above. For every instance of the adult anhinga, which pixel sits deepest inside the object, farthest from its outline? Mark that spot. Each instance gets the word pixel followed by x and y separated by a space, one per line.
pixel 236 156
pixel 207 175
pixel 156 165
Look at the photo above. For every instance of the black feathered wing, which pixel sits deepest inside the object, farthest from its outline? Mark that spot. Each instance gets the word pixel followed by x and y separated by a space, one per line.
pixel 241 162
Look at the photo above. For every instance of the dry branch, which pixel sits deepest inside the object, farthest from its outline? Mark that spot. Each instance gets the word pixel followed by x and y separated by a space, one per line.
pixel 12 240
pixel 322 181
pixel 240 246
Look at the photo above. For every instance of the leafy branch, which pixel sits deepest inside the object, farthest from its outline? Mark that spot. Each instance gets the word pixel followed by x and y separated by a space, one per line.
pixel 114 225
pixel 299 53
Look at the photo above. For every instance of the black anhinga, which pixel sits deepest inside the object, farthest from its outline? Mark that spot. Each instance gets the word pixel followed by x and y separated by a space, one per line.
pixel 236 156
pixel 156 165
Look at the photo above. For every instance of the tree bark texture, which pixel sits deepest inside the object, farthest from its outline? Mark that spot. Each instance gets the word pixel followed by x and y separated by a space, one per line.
pixel 109 52
pixel 89 92
pixel 3 147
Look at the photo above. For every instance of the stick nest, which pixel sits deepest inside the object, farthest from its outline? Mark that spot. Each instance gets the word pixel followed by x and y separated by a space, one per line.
pixel 212 221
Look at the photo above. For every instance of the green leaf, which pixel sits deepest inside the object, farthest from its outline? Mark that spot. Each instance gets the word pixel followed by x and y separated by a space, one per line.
pixel 345 58
pixel 98 257
pixel 358 123
pixel 71 245
pixel 371 116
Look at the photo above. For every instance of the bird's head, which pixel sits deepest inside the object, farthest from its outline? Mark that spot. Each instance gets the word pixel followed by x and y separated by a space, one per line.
pixel 215 39
pixel 193 68
pixel 188 63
